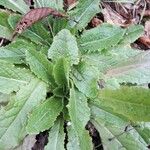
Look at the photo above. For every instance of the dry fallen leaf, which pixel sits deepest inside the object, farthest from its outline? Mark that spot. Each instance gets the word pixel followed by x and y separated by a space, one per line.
pixel 33 16
pixel 113 17
pixel 145 39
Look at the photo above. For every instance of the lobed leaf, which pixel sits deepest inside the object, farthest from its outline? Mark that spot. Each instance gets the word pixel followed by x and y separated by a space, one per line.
pixel 13 117
pixel 64 45
pixel 44 115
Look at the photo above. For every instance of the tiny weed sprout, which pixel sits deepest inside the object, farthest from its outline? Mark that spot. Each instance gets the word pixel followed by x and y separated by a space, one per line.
pixel 58 76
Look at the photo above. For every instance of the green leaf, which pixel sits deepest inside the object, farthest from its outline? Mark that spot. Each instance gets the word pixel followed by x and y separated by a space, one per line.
pixel 73 141
pixel 12 77
pixel 13 118
pixel 111 129
pixel 15 5
pixel 58 5
pixel 83 13
pixel 5 30
pixel 79 114
pixel 60 91
pixel 44 115
pixel 41 66
pixel 130 102
pixel 58 24
pixel 133 70
pixel 56 136
pixel 64 45
pixel 15 51
pixel 85 77
pixel 101 37
pixel 133 33
pixel 61 72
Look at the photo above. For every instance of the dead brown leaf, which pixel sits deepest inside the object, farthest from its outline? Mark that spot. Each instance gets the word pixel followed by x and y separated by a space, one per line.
pixel 113 17
pixel 96 21
pixel 33 16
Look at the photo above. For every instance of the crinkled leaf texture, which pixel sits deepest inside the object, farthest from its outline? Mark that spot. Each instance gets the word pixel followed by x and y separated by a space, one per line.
pixel 41 66
pixel 13 117
pixel 83 13
pixel 101 37
pixel 79 115
pixel 44 115
pixel 61 72
pixel 130 102
pixel 64 45
pixel 15 5
pixel 112 131
pixel 12 77
pixel 85 77
pixel 56 136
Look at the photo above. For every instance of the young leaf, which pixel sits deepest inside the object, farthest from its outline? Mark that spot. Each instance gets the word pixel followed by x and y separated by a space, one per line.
pixel 13 118
pixel 112 131
pixel 79 114
pixel 84 12
pixel 85 77
pixel 56 136
pixel 12 78
pixel 15 52
pixel 58 5
pixel 44 115
pixel 131 102
pixel 40 65
pixel 61 72
pixel 64 45
pixel 98 38
pixel 33 16
pixel 15 5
